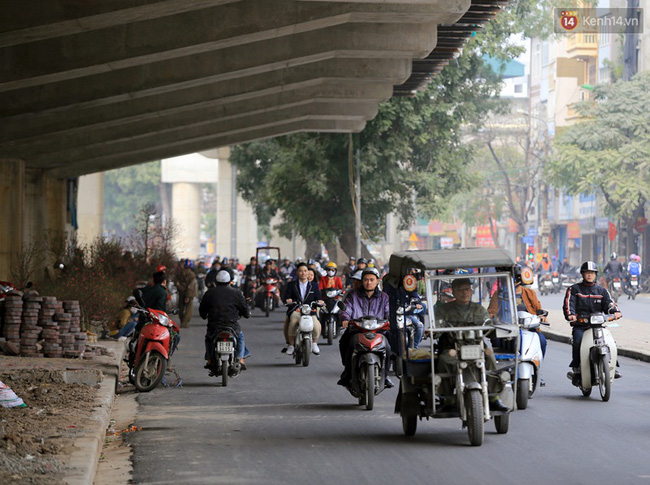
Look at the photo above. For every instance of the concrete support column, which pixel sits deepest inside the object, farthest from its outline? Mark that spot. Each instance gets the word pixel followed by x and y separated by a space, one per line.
pixel 236 222
pixel 90 207
pixel 12 212
pixel 186 215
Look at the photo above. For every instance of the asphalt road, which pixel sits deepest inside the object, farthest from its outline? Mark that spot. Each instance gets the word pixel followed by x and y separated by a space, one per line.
pixel 637 309
pixel 279 423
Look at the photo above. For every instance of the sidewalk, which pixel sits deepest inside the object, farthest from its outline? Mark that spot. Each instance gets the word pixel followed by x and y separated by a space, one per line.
pixel 632 336
pixel 91 422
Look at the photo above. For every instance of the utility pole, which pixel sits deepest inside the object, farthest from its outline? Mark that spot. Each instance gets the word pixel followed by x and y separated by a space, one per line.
pixel 357 187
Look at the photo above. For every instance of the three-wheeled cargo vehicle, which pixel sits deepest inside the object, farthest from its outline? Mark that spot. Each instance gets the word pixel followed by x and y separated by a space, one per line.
pixel 465 366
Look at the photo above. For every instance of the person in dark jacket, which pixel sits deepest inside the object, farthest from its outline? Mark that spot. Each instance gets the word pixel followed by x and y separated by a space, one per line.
pixel 583 299
pixel 223 305
pixel 300 292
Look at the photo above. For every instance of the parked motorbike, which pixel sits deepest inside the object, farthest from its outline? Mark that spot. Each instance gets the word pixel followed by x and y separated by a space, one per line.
pixel 369 363
pixel 303 341
pixel 149 350
pixel 633 287
pixel 530 356
pixel 329 315
pixel 226 364
pixel 598 356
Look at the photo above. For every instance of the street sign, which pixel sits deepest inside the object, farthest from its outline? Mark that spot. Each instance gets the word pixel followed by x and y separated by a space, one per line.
pixel 413 238
pixel 546 226
pixel 530 240
pixel 532 231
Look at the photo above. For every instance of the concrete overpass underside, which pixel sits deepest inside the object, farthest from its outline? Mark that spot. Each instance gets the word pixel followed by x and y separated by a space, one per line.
pixel 92 86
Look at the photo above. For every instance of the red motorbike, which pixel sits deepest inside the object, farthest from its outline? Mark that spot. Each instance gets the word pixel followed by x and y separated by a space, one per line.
pixel 270 295
pixel 369 359
pixel 150 348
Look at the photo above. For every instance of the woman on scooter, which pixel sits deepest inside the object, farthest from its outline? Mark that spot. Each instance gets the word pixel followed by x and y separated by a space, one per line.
pixel 527 300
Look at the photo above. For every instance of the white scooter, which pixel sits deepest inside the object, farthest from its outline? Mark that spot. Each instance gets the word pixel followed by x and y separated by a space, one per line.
pixel 598 356
pixel 530 356
pixel 302 344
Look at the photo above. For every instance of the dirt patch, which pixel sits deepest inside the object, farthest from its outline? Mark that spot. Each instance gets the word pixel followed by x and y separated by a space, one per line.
pixel 34 440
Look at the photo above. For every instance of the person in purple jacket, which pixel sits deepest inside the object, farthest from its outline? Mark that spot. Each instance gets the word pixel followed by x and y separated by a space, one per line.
pixel 366 301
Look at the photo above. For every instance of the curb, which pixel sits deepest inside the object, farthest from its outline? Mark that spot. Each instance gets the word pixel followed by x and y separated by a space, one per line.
pixel 82 462
pixel 633 354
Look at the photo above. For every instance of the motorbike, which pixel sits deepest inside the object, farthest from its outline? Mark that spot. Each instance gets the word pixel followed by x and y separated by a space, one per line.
pixel 369 363
pixel 557 285
pixel 150 349
pixel 569 278
pixel 226 365
pixel 615 288
pixel 530 356
pixel 545 284
pixel 329 314
pixel 270 295
pixel 633 287
pixel 251 288
pixel 598 356
pixel 302 344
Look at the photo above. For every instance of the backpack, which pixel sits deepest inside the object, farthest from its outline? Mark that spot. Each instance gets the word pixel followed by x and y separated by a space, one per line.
pixel 634 268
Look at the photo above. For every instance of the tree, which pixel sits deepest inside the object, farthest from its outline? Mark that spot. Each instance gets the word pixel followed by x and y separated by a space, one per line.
pixel 126 190
pixel 609 151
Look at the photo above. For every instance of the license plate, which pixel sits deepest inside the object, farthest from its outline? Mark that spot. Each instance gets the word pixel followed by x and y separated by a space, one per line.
pixel 225 347
pixel 617 285
pixel 548 283
pixel 471 352
pixel 555 280
pixel 634 282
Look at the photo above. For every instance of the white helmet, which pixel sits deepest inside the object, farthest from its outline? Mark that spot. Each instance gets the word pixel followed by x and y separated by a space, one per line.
pixel 357 275
pixel 223 276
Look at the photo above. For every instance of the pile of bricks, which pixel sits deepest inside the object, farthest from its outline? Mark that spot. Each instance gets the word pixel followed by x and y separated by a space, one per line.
pixel 45 327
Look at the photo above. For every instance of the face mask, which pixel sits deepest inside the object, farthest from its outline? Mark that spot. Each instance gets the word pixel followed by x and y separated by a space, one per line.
pixel 331 272
pixel 133 310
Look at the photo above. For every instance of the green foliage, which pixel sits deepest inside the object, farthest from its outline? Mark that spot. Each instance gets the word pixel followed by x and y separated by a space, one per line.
pixel 126 190
pixel 610 149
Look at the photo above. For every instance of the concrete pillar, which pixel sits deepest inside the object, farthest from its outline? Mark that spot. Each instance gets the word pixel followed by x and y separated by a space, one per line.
pixel 90 207
pixel 12 212
pixel 186 215
pixel 236 222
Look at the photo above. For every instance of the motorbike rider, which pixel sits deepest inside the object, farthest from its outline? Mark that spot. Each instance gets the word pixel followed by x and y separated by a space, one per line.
pixel 330 280
pixel 362 263
pixel 583 299
pixel 286 272
pixel 211 276
pixel 544 266
pixel 125 320
pixel 300 292
pixel 413 316
pixel 349 270
pixel 187 287
pixel 613 269
pixel 457 312
pixel 223 305
pixel 633 269
pixel 268 271
pixel 251 269
pixel 369 300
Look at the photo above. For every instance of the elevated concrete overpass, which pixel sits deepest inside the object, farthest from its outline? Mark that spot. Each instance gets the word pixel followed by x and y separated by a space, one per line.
pixel 91 86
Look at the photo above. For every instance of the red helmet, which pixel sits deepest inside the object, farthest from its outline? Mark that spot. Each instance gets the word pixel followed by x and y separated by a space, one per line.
pixel 161 267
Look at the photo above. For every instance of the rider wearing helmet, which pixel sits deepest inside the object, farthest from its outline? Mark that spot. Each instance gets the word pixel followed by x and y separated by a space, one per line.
pixel 362 263
pixel 613 269
pixel 583 299
pixel 222 305
pixel 330 280
pixel 367 301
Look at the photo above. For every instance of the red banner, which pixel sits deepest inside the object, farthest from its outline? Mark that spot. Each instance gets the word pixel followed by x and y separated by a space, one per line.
pixel 611 234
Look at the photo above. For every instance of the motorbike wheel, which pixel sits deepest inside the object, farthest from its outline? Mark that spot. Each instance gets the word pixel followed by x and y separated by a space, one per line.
pixel 502 423
pixel 305 352
pixel 132 375
pixel 522 393
pixel 150 371
pixel 604 381
pixel 474 407
pixel 224 374
pixel 586 392
pixel 409 425
pixel 369 390
pixel 330 332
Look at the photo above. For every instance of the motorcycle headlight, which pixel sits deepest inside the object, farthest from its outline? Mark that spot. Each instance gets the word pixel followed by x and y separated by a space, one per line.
pixel 164 320
pixel 305 310
pixel 596 319
pixel 331 293
pixel 370 324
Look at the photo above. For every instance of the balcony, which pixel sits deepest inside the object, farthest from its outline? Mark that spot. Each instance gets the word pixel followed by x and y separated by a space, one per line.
pixel 582 46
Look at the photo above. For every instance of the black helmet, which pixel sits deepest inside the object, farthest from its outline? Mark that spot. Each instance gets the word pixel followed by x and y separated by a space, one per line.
pixel 613 256
pixel 588 266
pixel 362 261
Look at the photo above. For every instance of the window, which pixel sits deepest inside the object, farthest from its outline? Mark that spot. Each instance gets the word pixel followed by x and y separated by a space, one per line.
pixel 518 88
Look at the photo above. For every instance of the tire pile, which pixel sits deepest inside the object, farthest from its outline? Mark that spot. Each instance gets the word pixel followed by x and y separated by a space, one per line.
pixel 44 327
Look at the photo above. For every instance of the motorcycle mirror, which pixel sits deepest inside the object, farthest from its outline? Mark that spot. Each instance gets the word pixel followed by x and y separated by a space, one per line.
pixel 176 311
pixel 341 306
pixel 612 308
pixel 542 313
